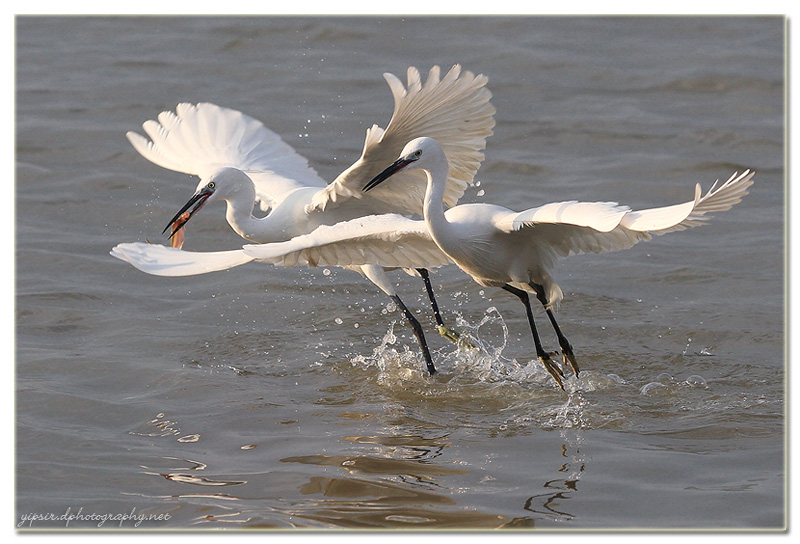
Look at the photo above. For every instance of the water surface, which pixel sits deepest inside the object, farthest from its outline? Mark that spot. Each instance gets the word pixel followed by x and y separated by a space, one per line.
pixel 273 398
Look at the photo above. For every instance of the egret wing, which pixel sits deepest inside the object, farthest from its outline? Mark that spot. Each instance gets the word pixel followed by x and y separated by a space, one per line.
pixel 198 139
pixel 454 110
pixel 691 214
pixel 388 240
pixel 168 261
pixel 571 228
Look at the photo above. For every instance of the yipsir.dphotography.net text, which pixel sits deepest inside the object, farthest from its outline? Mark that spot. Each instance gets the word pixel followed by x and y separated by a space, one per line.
pixel 81 518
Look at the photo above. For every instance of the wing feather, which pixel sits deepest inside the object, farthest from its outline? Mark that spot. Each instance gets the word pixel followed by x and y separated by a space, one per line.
pixel 198 139
pixel 692 214
pixel 168 261
pixel 384 240
pixel 455 110
pixel 571 228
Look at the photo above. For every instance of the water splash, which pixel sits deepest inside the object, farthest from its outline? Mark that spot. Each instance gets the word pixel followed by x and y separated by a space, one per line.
pixel 571 414
pixel 499 393
pixel 393 365
pixel 696 381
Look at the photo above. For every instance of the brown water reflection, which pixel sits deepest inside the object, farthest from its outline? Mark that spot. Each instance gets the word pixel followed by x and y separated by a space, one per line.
pixel 410 481
pixel 389 492
pixel 551 504
pixel 376 465
pixel 186 478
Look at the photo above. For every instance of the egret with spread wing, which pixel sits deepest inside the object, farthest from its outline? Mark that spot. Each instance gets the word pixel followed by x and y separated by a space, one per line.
pixel 494 245
pixel 241 162
pixel 517 250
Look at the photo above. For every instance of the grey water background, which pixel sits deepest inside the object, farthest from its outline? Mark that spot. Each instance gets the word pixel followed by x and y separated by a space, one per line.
pixel 262 397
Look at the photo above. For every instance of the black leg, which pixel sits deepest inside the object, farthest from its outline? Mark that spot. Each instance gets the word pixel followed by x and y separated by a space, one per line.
pixel 443 329
pixel 426 278
pixel 548 363
pixel 566 348
pixel 418 333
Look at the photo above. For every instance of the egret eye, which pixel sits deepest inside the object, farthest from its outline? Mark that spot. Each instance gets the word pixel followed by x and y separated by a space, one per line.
pixel 418 152
pixel 211 185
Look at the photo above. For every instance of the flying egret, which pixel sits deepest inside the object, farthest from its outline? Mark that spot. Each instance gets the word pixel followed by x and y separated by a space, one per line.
pixel 494 245
pixel 244 164
pixel 516 250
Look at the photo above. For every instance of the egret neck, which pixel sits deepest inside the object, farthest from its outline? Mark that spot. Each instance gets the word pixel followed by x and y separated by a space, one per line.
pixel 433 205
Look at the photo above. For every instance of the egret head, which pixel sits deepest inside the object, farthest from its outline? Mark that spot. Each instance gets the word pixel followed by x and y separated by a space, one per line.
pixel 418 153
pixel 219 185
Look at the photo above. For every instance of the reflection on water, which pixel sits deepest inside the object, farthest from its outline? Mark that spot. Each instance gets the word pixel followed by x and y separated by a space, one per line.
pixel 552 504
pixel 414 469
pixel 411 473
pixel 390 480
pixel 158 426
pixel 193 479
pixel 413 492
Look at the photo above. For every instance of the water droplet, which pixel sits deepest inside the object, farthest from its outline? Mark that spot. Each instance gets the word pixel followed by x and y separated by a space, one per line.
pixel 326 272
pixel 615 378
pixel 696 381
pixel 481 192
pixel 338 321
pixel 650 387
pixel 355 325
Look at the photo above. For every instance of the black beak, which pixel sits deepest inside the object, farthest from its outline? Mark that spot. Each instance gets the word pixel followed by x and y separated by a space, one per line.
pixel 195 203
pixel 395 167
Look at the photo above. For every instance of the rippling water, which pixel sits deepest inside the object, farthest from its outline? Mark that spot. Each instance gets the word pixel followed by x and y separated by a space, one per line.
pixel 272 398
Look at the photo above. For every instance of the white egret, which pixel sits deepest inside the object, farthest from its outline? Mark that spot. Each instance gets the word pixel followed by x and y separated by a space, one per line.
pixel 517 250
pixel 494 245
pixel 241 162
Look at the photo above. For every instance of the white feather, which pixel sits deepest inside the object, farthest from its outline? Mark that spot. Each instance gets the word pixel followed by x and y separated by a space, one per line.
pixel 454 109
pixel 387 240
pixel 200 139
pixel 160 260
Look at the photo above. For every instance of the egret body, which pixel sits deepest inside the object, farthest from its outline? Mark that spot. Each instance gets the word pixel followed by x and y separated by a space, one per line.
pixel 242 163
pixel 494 245
pixel 499 247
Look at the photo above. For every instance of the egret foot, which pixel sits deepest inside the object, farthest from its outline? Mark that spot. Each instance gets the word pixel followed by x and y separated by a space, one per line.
pixel 455 337
pixel 449 333
pixel 553 369
pixel 569 357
